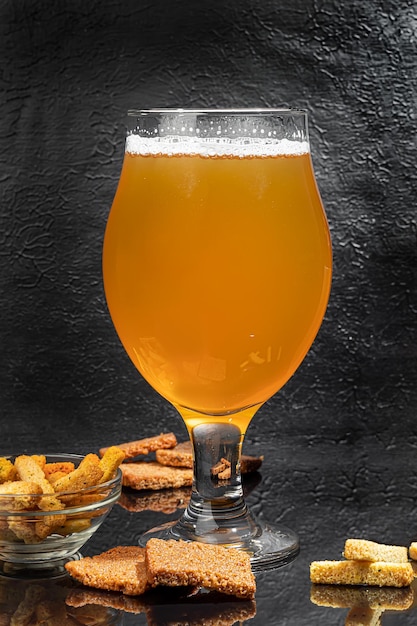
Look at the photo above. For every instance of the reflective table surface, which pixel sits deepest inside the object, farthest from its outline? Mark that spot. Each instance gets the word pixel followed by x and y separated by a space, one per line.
pixel 326 495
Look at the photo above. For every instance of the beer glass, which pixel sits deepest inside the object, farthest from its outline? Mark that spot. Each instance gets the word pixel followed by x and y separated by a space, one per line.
pixel 217 272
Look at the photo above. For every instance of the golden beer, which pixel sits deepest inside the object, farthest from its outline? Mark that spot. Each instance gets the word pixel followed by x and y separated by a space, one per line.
pixel 217 272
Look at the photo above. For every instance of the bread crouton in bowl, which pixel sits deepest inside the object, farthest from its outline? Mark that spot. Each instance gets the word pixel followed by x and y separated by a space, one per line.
pixel 51 505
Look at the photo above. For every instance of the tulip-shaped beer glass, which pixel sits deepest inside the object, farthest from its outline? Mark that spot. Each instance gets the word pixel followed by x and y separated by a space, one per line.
pixel 217 272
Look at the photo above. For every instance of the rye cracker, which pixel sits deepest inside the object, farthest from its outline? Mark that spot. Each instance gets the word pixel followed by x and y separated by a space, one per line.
pixel 182 456
pixel 181 563
pixel 119 569
pixel 136 448
pixel 151 475
pixel 179 456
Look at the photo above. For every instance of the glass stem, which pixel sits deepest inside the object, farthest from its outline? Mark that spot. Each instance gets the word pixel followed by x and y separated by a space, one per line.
pixel 217 512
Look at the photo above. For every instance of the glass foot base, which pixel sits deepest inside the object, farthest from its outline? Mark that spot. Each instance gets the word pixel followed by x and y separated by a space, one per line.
pixel 270 547
pixel 31 570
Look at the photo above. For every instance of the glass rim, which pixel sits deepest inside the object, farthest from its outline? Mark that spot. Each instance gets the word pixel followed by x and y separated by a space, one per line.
pixel 221 111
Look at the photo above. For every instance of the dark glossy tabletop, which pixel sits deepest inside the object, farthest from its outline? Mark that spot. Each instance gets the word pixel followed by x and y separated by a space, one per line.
pixel 325 495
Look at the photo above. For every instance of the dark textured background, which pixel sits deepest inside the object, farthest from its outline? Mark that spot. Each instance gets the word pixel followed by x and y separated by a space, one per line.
pixel 69 70
pixel 340 439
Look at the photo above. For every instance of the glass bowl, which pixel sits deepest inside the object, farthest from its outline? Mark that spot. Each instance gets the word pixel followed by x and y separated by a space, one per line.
pixel 33 537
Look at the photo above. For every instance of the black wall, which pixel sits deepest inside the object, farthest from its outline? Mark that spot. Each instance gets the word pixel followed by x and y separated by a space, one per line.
pixel 69 70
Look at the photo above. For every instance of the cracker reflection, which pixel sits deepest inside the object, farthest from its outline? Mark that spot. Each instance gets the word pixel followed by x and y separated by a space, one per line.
pixel 83 596
pixel 165 501
pixel 366 604
pixel 170 607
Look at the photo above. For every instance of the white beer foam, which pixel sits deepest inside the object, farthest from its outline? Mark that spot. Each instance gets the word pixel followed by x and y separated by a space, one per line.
pixel 237 147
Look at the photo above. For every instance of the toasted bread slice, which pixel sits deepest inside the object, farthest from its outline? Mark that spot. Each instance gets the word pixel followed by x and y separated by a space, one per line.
pixel 412 550
pixel 181 563
pixel 364 550
pixel 119 569
pixel 378 573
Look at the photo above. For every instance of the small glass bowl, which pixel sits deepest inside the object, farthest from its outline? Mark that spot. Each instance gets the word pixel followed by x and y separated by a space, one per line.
pixel 40 539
